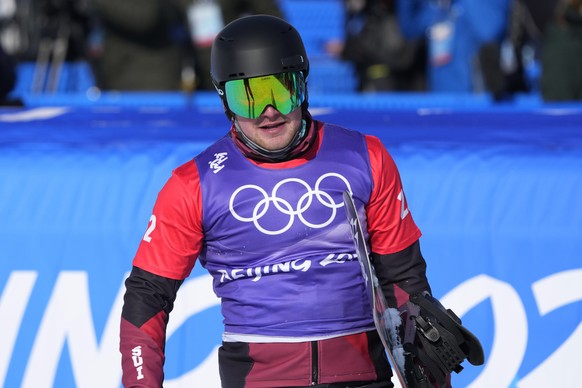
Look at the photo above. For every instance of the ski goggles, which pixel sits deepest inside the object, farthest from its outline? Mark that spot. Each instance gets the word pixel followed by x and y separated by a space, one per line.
pixel 250 96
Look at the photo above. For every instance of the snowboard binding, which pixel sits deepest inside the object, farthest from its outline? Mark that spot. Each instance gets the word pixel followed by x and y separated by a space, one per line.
pixel 435 342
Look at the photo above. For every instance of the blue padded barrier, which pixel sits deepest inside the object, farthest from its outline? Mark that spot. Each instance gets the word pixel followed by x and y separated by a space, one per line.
pixel 496 191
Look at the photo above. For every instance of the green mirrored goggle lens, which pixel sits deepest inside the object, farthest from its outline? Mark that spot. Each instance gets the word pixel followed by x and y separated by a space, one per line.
pixel 249 97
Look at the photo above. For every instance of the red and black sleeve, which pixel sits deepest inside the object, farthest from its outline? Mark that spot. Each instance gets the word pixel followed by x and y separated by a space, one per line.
pixel 148 301
pixel 165 257
pixel 394 237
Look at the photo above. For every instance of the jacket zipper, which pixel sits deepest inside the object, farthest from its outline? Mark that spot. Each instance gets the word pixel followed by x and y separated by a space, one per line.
pixel 314 363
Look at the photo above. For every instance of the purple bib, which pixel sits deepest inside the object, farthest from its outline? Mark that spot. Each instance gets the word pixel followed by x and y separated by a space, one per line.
pixel 277 242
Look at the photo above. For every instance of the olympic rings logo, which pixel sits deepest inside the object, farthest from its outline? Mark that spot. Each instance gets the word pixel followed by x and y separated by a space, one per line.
pixel 285 207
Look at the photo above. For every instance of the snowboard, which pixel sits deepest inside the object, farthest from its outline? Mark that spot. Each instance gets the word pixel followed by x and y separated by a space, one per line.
pixel 386 320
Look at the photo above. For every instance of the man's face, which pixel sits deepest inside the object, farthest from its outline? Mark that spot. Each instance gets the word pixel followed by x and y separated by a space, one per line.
pixel 272 130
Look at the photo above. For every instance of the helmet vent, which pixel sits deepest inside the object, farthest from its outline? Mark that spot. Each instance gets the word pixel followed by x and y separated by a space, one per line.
pixel 293 62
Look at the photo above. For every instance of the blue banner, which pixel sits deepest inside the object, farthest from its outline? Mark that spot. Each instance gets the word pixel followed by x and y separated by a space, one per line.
pixel 496 193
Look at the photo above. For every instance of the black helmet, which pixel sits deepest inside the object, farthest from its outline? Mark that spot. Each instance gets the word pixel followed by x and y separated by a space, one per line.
pixel 256 45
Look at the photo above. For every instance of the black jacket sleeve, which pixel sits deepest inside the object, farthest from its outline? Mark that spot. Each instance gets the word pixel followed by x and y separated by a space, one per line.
pixel 401 274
